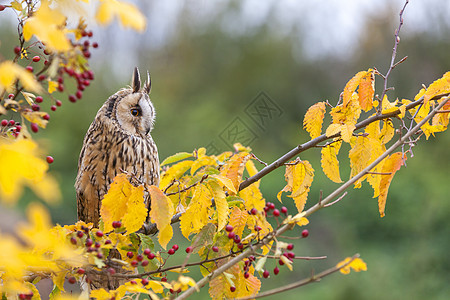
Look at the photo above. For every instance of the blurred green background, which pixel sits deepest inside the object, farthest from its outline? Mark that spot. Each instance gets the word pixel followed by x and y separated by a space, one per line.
pixel 209 61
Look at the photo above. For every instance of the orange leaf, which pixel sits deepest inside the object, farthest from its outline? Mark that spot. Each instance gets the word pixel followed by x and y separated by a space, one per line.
pixel 238 219
pixel 351 86
pixel 314 118
pixel 391 165
pixel 161 213
pixel 366 90
pixel 234 168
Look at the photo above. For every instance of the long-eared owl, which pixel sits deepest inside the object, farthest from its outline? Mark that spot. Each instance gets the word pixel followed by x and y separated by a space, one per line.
pixel 118 139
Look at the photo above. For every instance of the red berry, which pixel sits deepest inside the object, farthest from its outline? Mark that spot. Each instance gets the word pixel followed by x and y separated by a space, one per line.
pixel 276 271
pixel 17 49
pixel 46 52
pixel 251 258
pixel 99 233
pixel 237 239
pixel 90 75
pixel 290 246
pixel 97 245
pixel 87 54
pixel 116 224
pixel 18 128
pixel 144 281
pixel 271 205
pixel 100 255
pixel 229 228
pixel 147 251
pixel 284 210
pixel 35 107
pixel 232 289
pixel 46 117
pixel 133 282
pixel 58 102
pixel 80 88
pixel 139 257
pixel 72 98
pixel 29 68
pixel 144 263
pixel 39 99
pixel 175 247
pixel 81 271
pixel 5 122
pixel 90 34
pixel 151 256
pixel 60 87
pixel 291 254
pixel 281 262
pixel 72 280
pixel 111 271
pixel 10 96
pixel 240 246
pixel 276 212
pixel 246 275
pixel 79 94
pixel 130 254
pixel 41 77
pixel 89 242
pixel 258 228
pixel 171 251
pixel 164 279
pixel 305 233
pixel 189 249
pixel 36 58
pixel 73 240
pixel 231 235
pixel 253 211
pixel 34 127
pixel 134 263
pixel 215 249
pixel 266 274
pixel 95 44
pixel 86 82
pixel 50 160
pixel 86 43
pixel 107 242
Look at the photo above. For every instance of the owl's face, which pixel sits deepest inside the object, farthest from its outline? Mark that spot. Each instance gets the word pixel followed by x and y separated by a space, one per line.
pixel 135 113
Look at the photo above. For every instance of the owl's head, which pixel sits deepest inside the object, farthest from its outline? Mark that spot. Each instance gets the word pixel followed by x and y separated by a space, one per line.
pixel 132 108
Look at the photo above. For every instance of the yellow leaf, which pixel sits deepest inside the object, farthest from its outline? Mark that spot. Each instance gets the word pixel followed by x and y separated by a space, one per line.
pixel 314 118
pixel 440 86
pixel 196 214
pixel 10 72
pixel 59 278
pixel 221 204
pixel 16 5
pixel 347 132
pixel 128 14
pixel 329 161
pixel 366 90
pixel 52 85
pixel 46 24
pixel 351 86
pixel 251 169
pixel 161 213
pixel 201 162
pixel 174 173
pixel 114 203
pixel 387 132
pixel 29 97
pixel 357 264
pixel 360 155
pixel 299 176
pixel 333 129
pixel 391 165
pixel 19 167
pixel 225 181
pixel 36 117
pixel 234 168
pixel 136 212
pixel 238 219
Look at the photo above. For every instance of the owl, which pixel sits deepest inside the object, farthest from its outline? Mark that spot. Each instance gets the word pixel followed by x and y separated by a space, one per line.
pixel 118 139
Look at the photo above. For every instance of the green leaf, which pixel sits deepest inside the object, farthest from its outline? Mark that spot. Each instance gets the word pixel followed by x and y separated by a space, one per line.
pixel 176 157
pixel 146 241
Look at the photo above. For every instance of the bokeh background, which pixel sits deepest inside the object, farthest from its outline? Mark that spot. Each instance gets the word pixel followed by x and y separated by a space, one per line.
pixel 210 59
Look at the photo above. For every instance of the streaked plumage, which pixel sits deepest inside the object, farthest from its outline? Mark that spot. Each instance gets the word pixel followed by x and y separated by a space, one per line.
pixel 118 139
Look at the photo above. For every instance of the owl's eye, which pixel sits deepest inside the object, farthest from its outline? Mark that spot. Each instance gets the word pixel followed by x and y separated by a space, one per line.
pixel 136 112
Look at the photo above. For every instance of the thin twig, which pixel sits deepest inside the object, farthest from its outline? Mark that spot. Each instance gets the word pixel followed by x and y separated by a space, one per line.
pixel 313 278
pixel 336 201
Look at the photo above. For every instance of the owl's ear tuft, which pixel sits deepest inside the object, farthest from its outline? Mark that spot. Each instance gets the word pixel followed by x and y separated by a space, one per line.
pixel 148 84
pixel 136 81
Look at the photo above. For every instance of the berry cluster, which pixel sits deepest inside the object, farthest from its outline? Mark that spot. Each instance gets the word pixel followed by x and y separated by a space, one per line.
pixel 12 127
